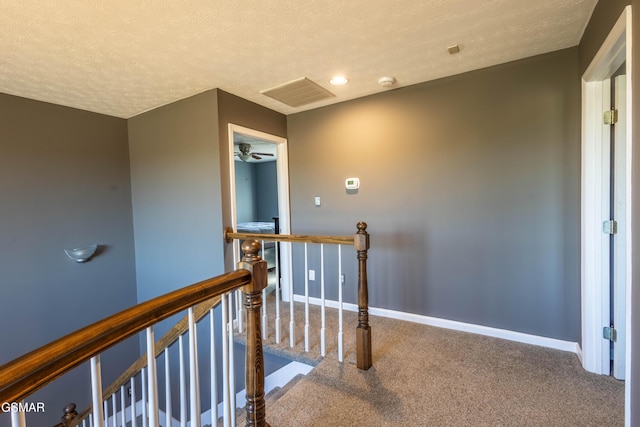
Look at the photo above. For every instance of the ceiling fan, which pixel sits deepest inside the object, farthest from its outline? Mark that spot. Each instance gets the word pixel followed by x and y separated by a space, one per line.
pixel 245 153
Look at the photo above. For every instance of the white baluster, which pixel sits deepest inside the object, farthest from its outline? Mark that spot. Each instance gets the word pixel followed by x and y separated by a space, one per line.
pixel 123 406
pixel 105 410
pixel 225 362
pixel 238 305
pixel 292 323
pixel 340 286
pixel 232 376
pixel 134 415
pixel 237 256
pixel 143 388
pixel 306 299
pixel 277 325
pixel 18 419
pixel 183 384
pixel 114 411
pixel 214 373
pixel 152 378
pixel 264 301
pixel 90 420
pixel 323 352
pixel 194 389
pixel 84 422
pixel 96 390
pixel 167 389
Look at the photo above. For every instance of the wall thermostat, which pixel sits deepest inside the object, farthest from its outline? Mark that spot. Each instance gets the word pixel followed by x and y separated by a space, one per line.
pixel 352 183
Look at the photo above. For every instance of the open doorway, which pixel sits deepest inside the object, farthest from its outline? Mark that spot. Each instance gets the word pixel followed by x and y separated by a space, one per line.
pixel 606 208
pixel 259 193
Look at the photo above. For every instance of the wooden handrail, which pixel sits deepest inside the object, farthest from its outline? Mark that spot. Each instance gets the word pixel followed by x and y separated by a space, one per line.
pixel 32 371
pixel 230 235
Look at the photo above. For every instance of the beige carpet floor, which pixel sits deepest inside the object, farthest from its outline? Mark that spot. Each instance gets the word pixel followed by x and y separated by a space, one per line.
pixel 427 376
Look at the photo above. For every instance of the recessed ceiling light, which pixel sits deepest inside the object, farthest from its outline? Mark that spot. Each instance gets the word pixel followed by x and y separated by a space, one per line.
pixel 339 80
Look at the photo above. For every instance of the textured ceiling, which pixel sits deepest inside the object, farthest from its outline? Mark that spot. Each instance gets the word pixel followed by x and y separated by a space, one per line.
pixel 124 57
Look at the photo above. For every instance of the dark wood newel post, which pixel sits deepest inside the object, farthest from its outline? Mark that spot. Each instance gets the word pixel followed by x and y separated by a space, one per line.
pixel 69 414
pixel 363 331
pixel 254 360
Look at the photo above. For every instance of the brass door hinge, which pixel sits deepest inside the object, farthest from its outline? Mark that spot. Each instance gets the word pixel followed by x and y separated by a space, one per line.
pixel 610 227
pixel 611 117
pixel 609 333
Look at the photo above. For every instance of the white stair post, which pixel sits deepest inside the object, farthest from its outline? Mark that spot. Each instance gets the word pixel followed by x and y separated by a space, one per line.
pixel 96 390
pixel 306 299
pixel 18 419
pixel 340 286
pixel 194 389
pixel 167 389
pixel 152 378
pixel 322 304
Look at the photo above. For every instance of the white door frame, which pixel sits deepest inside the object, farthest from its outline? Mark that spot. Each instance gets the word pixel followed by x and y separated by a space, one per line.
pixel 615 51
pixel 282 171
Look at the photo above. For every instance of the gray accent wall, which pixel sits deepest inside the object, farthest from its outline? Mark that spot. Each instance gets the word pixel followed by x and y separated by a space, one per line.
pixel 267 191
pixel 604 16
pixel 64 182
pixel 471 189
pixel 245 180
pixel 256 191
pixel 176 196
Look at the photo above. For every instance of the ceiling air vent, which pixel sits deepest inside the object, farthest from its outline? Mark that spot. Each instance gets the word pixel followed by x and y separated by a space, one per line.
pixel 298 92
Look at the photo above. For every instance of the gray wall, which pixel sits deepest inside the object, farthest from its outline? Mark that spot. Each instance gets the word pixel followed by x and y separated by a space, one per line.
pixel 267 191
pixel 256 191
pixel 604 17
pixel 64 182
pixel 175 185
pixel 245 180
pixel 471 189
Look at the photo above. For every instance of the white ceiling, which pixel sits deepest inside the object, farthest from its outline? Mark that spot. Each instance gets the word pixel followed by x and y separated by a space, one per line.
pixel 124 57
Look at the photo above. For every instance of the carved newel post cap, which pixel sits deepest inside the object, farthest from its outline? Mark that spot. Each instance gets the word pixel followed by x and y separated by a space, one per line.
pixel 362 226
pixel 251 249
pixel 69 414
pixel 70 409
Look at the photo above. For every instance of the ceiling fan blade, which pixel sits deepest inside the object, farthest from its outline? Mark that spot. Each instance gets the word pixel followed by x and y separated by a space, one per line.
pixel 255 156
pixel 264 154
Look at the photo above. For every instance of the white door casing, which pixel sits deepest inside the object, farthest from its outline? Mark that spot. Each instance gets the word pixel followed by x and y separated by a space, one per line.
pixel 282 171
pixel 614 52
pixel 620 238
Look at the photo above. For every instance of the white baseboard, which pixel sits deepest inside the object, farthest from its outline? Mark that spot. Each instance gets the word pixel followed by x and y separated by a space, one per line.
pixel 553 343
